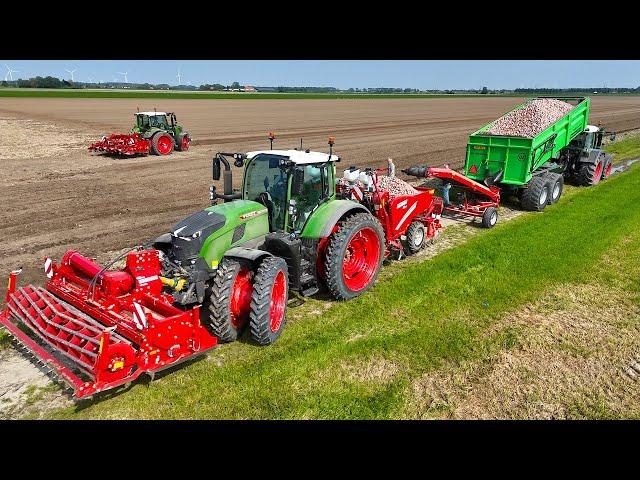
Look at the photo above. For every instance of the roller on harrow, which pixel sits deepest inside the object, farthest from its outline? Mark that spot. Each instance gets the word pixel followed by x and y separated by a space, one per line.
pixel 154 132
pixel 220 271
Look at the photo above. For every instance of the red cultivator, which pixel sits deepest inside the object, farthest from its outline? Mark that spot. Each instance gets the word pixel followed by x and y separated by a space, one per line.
pixel 122 144
pixel 106 327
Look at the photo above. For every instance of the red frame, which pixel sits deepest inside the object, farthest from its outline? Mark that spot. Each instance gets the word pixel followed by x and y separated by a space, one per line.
pixel 122 144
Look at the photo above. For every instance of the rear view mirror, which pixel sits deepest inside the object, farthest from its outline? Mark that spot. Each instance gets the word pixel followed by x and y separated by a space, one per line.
pixel 216 169
pixel 298 181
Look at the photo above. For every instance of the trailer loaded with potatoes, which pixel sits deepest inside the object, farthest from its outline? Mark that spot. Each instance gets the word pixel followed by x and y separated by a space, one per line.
pixel 530 152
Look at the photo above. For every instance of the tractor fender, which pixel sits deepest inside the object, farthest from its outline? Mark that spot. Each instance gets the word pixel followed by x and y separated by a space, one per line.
pixel 327 215
pixel 251 254
pixel 594 156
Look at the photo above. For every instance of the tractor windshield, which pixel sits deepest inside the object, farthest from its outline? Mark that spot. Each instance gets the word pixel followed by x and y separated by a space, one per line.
pixel 158 121
pixel 266 183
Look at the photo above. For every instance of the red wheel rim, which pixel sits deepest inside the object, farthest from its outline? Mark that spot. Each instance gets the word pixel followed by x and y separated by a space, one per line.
pixel 598 173
pixel 278 303
pixel 607 171
pixel 361 259
pixel 164 144
pixel 241 298
pixel 184 145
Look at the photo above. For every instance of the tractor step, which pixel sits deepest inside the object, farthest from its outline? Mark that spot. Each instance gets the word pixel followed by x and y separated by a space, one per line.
pixel 310 291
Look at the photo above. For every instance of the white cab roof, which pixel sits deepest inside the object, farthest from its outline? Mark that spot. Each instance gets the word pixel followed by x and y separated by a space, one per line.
pixel 299 157
pixel 151 114
pixel 591 129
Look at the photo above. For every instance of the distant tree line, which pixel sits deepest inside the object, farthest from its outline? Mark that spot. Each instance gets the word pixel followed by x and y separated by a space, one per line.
pixel 559 91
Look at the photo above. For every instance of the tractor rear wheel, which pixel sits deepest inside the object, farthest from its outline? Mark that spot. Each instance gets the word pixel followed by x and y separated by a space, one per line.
pixel 415 238
pixel 229 301
pixel 555 184
pixel 535 196
pixel 162 144
pixel 490 217
pixel 269 300
pixel 354 256
pixel 590 174
pixel 183 142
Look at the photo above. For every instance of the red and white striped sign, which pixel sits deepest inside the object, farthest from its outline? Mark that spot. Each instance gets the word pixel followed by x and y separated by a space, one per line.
pixel 48 267
pixel 356 193
pixel 139 317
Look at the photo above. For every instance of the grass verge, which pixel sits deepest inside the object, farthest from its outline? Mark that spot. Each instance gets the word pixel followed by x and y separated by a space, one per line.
pixel 625 149
pixel 359 359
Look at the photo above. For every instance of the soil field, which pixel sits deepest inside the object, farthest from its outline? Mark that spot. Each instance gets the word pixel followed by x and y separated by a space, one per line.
pixel 56 195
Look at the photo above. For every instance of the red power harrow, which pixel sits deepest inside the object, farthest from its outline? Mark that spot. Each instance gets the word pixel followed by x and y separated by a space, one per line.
pixel 122 144
pixel 100 329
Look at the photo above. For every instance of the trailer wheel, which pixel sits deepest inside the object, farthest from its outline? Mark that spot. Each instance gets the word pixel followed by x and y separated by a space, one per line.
pixel 269 301
pixel 354 256
pixel 415 238
pixel 535 196
pixel 555 185
pixel 162 144
pixel 590 174
pixel 229 300
pixel 490 217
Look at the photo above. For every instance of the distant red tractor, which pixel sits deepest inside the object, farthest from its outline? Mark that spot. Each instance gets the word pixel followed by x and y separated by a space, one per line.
pixel 154 132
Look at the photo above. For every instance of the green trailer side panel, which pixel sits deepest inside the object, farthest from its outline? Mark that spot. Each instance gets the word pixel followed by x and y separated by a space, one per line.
pixel 519 157
pixel 252 214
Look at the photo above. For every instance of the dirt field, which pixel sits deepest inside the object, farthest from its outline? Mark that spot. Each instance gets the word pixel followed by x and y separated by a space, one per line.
pixel 56 196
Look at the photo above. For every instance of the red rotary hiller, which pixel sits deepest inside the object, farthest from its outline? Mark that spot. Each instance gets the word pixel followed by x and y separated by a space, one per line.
pixel 105 327
pixel 122 144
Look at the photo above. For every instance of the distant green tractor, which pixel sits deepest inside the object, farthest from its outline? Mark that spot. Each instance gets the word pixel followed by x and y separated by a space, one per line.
pixel 154 132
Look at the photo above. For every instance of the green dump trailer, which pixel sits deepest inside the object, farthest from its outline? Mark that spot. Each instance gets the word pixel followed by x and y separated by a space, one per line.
pixel 535 168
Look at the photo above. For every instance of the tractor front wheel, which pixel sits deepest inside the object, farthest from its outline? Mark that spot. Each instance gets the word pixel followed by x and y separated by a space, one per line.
pixel 354 256
pixel 183 142
pixel 162 144
pixel 228 303
pixel 269 301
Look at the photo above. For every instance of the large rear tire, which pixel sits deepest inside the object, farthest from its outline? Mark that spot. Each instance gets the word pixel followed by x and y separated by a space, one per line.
pixel 590 174
pixel 534 197
pixel 162 144
pixel 269 301
pixel 229 300
pixel 354 256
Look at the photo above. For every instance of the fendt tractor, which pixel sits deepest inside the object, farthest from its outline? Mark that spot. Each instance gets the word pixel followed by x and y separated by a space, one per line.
pixel 293 226
pixel 154 132
pixel 533 169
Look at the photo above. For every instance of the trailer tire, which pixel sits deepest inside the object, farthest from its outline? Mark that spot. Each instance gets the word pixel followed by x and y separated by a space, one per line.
pixel 362 257
pixel 555 184
pixel 416 235
pixel 590 174
pixel 490 217
pixel 228 300
pixel 269 300
pixel 162 144
pixel 534 197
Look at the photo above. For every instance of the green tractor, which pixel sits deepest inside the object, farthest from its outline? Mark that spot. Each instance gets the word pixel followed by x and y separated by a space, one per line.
pixel 285 229
pixel 154 132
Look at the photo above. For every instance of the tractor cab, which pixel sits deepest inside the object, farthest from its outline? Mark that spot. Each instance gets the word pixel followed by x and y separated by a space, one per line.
pixel 290 183
pixel 155 120
pixel 591 138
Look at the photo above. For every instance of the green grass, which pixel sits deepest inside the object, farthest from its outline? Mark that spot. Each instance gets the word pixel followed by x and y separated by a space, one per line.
pixel 625 149
pixel 429 313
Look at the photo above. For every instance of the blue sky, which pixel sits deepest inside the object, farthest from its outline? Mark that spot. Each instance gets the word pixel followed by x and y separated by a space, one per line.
pixel 440 74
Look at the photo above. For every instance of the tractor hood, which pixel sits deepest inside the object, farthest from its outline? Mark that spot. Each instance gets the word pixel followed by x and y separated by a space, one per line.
pixel 207 230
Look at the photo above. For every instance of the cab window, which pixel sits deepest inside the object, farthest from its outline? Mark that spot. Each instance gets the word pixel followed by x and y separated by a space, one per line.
pixel 266 183
pixel 314 190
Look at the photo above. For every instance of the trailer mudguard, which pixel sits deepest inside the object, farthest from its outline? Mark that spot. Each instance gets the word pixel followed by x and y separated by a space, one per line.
pixel 322 220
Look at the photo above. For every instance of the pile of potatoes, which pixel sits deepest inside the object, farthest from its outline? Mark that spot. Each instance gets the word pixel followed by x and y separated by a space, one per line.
pixel 531 119
pixel 395 186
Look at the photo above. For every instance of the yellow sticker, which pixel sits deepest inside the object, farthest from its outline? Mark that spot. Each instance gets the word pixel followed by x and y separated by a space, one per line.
pixel 214 264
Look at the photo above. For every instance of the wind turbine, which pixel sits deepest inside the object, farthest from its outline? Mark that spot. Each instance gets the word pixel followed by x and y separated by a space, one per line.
pixel 90 79
pixel 125 76
pixel 10 72
pixel 179 77
pixel 71 72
